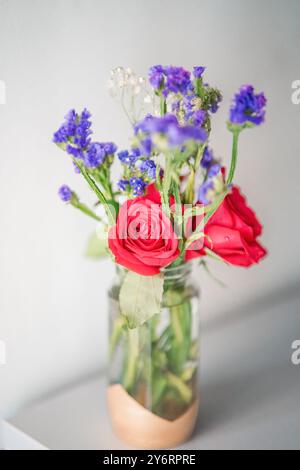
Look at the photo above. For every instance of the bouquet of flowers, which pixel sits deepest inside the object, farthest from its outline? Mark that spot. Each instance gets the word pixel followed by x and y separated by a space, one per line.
pixel 174 202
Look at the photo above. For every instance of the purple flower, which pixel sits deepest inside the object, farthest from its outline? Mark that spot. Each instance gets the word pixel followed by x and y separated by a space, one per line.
pixel 176 106
pixel 95 155
pixel 74 151
pixel 248 106
pixel 126 158
pixel 149 167
pixel 177 135
pixel 198 71
pixel 146 147
pixel 155 124
pixel 75 129
pixel 213 170
pixel 207 158
pixel 199 117
pixel 203 190
pixel 110 148
pixel 156 76
pixel 138 185
pixel 177 79
pixel 65 193
pixel 76 168
pixel 212 185
pixel 67 129
pixel 123 184
pixel 169 127
pixel 169 79
pixel 136 151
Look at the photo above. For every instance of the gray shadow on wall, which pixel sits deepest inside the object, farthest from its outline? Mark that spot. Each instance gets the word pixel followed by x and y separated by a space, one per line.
pixel 257 306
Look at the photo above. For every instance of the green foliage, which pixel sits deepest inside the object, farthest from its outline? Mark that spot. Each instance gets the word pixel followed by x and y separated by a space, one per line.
pixel 140 297
pixel 97 247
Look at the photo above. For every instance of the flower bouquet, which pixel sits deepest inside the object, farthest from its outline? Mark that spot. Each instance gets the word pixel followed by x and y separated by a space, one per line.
pixel 174 203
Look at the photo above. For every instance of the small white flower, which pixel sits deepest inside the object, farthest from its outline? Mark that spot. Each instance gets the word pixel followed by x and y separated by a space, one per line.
pixel 136 90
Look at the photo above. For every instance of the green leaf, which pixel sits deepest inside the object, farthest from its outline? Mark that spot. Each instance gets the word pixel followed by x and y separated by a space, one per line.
pixel 97 246
pixel 140 297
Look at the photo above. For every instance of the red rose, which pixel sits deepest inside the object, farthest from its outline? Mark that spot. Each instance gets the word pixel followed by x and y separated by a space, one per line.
pixel 143 239
pixel 232 233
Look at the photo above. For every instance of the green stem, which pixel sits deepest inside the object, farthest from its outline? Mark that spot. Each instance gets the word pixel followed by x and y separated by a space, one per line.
pixel 189 191
pixel 97 191
pixel 176 326
pixel 116 334
pixel 166 186
pixel 190 187
pixel 163 105
pixel 184 391
pixel 235 140
pixel 132 357
pixel 199 87
pixel 83 208
pixel 178 212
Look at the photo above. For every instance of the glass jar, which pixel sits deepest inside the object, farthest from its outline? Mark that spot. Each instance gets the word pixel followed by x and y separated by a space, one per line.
pixel 153 387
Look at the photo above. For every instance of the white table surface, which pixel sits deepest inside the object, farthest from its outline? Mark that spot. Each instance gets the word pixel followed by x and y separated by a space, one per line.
pixel 250 390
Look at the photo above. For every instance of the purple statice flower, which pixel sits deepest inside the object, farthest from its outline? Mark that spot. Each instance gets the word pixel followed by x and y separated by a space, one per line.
pixel 123 156
pixel 155 124
pixel 65 193
pixel 110 148
pixel 68 129
pixel 177 79
pixel 146 147
pixel 195 116
pixel 177 135
pixel 83 130
pixel 198 71
pixel 207 158
pixel 213 170
pixel 169 79
pixel 74 151
pixel 212 185
pixel 148 167
pixel 215 106
pixel 136 151
pixel 203 192
pixel 175 106
pixel 169 126
pixel 138 185
pixel 248 106
pixel 95 155
pixel 75 129
pixel 76 168
pixel 156 76
pixel 126 158
pixel 199 117
pixel 123 184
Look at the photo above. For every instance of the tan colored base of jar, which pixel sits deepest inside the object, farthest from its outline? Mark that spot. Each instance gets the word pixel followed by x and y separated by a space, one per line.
pixel 138 427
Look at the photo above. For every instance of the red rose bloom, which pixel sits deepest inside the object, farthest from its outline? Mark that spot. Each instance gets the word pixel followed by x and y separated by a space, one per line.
pixel 143 239
pixel 232 232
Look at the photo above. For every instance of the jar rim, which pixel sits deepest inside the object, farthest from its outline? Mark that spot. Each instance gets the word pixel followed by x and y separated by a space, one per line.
pixel 169 272
pixel 177 272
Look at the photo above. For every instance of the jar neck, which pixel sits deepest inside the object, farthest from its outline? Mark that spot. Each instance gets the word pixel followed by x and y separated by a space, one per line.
pixel 178 273
pixel 172 275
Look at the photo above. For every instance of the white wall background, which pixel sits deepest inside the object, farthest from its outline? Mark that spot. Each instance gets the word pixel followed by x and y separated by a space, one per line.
pixel 56 54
